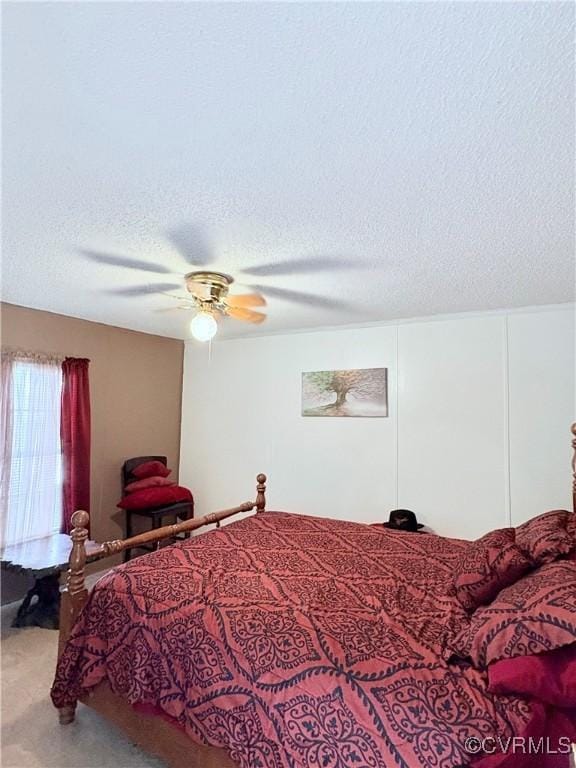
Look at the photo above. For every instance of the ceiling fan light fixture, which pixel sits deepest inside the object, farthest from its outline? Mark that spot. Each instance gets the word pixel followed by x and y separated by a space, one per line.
pixel 203 326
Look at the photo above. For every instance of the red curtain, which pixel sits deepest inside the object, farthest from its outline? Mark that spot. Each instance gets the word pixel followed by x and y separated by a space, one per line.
pixel 75 438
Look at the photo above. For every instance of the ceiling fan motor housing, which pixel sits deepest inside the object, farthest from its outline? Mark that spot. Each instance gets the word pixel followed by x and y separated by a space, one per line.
pixel 210 296
pixel 208 286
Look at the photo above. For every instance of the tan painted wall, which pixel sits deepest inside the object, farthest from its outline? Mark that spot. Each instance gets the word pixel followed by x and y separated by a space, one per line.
pixel 135 391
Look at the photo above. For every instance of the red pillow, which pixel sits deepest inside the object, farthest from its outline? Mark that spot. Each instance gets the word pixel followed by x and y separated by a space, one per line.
pixel 547 537
pixel 490 564
pixel 534 615
pixel 147 482
pixel 151 469
pixel 571 526
pixel 159 496
pixel 549 676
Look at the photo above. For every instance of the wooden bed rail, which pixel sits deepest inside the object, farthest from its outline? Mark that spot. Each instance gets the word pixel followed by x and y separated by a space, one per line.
pixel 75 594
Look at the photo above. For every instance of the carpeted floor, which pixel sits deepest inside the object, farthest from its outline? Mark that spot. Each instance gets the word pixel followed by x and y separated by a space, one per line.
pixel 31 736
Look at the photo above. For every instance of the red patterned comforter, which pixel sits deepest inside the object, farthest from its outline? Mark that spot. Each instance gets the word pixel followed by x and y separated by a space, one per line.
pixel 293 641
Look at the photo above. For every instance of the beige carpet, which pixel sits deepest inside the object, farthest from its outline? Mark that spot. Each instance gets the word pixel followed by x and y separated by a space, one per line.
pixel 31 736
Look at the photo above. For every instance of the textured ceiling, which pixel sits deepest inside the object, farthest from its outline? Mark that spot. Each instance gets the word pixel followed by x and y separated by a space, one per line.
pixel 408 158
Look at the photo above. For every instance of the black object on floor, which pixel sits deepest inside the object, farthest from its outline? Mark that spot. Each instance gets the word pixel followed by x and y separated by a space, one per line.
pixel 45 610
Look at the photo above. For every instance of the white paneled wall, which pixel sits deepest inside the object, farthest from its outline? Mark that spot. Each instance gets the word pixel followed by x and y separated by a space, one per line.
pixel 452 454
pixel 241 415
pixel 478 433
pixel 541 376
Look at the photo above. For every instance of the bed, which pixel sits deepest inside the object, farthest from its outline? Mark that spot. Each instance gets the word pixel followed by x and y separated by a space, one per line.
pixel 289 640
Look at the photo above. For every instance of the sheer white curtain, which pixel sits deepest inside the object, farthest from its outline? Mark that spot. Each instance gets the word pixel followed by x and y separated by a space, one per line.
pixel 5 438
pixel 31 493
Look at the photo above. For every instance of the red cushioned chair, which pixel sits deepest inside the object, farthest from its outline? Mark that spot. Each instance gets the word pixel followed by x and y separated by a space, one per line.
pixel 180 511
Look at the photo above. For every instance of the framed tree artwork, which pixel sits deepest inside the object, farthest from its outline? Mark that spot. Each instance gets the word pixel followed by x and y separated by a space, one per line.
pixel 359 392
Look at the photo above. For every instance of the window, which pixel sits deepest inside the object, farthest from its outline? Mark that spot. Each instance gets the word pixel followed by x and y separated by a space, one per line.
pixel 34 488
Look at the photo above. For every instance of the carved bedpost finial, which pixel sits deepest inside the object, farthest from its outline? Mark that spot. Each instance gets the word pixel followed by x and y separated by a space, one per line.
pixel 261 493
pixel 573 430
pixel 79 534
pixel 80 519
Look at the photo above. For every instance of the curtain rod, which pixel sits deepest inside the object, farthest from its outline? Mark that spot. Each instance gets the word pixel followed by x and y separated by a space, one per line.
pixel 16 353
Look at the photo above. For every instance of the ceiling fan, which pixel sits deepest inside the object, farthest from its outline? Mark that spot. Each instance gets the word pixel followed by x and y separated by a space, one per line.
pixel 209 290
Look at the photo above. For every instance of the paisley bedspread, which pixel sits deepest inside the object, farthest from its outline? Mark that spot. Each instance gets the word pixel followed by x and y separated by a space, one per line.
pixel 293 641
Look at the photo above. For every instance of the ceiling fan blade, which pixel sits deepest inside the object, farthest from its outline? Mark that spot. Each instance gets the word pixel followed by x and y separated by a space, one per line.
pixel 125 261
pixel 247 315
pixel 245 300
pixel 145 290
pixel 183 303
pixel 301 297
pixel 173 309
pixel 302 266
pixel 192 245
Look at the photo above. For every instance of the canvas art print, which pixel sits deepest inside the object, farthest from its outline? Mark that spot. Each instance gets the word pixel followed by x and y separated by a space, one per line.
pixel 360 392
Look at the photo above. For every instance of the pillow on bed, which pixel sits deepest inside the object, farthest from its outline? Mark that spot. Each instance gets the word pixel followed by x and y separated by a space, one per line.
pixel 160 496
pixel 534 615
pixel 549 677
pixel 546 538
pixel 151 469
pixel 488 565
pixel 147 482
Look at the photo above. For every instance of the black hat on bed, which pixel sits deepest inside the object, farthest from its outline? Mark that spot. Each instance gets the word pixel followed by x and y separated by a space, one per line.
pixel 403 520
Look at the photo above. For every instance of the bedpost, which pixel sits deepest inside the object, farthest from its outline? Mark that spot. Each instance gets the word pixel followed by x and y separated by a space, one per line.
pixel 260 503
pixel 74 594
pixel 573 430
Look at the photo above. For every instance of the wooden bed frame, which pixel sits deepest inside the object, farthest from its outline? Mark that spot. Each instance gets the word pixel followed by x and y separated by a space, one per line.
pixel 154 734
